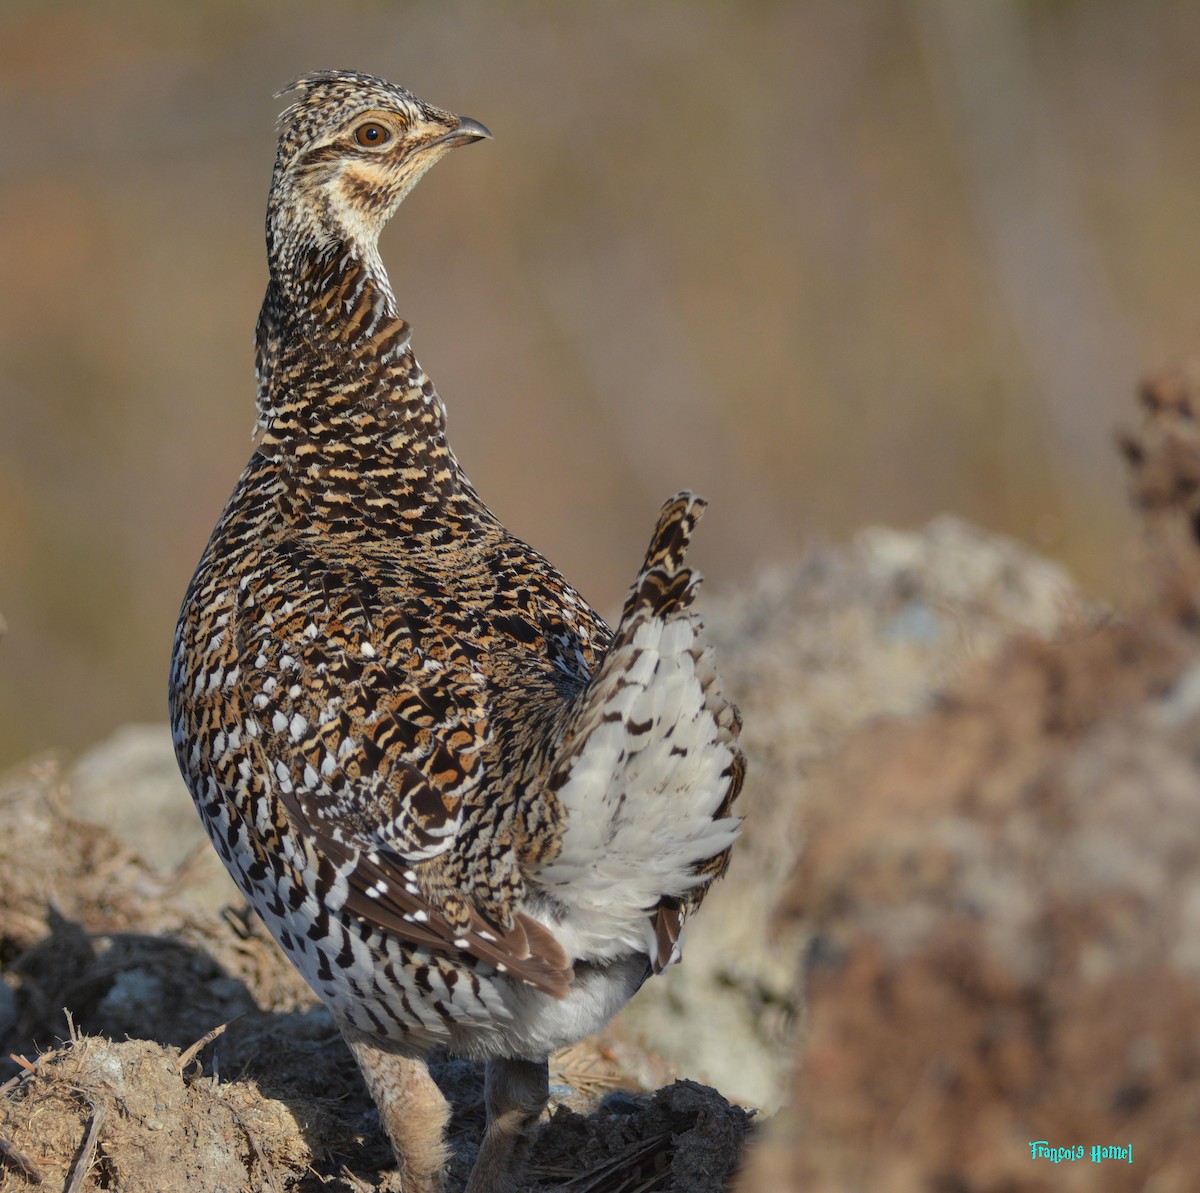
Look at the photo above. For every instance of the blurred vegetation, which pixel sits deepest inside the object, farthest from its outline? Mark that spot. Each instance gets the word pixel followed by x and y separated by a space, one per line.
pixel 829 263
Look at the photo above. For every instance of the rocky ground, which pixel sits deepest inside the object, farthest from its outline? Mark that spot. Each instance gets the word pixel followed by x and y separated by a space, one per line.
pixel 1004 906
pixel 967 870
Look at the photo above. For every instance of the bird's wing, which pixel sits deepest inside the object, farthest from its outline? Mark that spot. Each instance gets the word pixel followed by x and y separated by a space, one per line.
pixel 371 722
pixel 649 765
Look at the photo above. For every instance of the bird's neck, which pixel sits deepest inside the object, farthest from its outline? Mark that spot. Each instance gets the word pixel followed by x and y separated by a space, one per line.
pixel 342 402
pixel 321 252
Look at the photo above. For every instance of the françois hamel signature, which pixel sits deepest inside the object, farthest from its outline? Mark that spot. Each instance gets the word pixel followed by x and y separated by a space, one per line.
pixel 1039 1149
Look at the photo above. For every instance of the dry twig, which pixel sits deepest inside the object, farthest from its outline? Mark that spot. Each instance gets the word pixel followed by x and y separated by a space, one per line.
pixel 84 1164
pixel 18 1159
pixel 268 1173
pixel 189 1054
pixel 624 1173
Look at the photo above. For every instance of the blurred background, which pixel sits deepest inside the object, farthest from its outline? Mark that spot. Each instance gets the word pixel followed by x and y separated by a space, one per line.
pixel 828 263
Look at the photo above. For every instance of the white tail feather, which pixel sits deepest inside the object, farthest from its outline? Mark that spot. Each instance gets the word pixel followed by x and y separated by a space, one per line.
pixel 648 769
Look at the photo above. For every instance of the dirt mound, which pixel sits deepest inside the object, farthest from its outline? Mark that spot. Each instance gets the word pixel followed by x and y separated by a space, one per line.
pixel 123 1117
pixel 142 1118
pixel 1005 969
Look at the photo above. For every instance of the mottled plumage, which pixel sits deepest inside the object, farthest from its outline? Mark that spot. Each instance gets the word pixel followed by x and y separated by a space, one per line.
pixel 469 813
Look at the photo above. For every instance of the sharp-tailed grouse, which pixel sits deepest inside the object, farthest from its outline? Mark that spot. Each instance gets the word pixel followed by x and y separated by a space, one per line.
pixel 469 812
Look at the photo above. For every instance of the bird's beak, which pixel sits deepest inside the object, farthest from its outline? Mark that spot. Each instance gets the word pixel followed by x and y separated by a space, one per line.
pixel 467 132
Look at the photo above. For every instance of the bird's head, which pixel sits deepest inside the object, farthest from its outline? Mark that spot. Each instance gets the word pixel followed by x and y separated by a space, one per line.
pixel 351 147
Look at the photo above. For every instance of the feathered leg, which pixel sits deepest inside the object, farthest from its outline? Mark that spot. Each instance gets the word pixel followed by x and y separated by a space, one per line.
pixel 515 1092
pixel 411 1108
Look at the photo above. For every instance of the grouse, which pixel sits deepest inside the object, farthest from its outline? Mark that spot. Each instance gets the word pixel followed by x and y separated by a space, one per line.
pixel 470 813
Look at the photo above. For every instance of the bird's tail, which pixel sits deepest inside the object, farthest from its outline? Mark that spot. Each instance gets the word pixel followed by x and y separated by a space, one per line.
pixel 648 768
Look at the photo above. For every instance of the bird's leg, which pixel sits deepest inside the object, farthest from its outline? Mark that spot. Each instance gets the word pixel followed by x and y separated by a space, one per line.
pixel 411 1107
pixel 515 1092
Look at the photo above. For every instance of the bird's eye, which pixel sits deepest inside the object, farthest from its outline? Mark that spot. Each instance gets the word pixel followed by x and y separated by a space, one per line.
pixel 371 135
